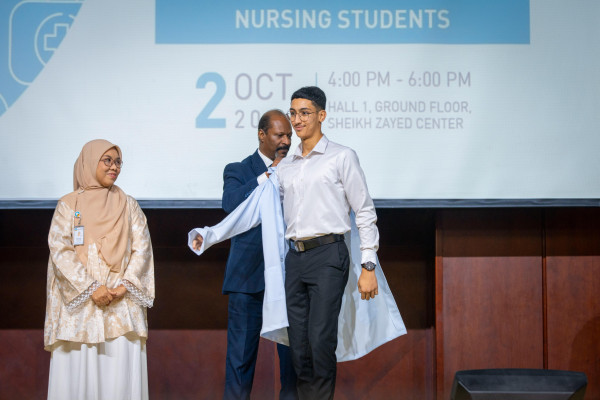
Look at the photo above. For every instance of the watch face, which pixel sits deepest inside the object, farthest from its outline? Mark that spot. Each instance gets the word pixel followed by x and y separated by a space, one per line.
pixel 369 266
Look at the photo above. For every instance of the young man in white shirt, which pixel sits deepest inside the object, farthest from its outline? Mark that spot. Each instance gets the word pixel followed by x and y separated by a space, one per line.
pixel 320 183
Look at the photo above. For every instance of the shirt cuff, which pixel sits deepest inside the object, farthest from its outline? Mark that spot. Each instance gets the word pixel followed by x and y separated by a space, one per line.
pixel 368 255
pixel 262 178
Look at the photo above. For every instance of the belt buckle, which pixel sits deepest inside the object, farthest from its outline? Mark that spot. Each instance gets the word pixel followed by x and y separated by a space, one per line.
pixel 299 246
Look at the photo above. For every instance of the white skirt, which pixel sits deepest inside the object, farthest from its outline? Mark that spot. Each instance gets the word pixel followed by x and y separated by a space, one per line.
pixel 113 370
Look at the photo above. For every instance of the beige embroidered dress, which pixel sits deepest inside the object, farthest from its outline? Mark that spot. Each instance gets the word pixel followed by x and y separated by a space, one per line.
pixel 71 314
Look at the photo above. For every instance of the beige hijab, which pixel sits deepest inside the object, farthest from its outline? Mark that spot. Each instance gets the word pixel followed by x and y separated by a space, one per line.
pixel 103 210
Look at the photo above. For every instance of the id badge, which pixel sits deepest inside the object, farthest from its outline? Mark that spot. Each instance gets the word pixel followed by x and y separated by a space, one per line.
pixel 78 235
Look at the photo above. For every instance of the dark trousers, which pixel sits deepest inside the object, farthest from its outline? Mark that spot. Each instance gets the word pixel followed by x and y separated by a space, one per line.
pixel 314 285
pixel 243 333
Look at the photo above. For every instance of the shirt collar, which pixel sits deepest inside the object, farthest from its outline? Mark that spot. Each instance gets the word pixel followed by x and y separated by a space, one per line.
pixel 320 147
pixel 266 159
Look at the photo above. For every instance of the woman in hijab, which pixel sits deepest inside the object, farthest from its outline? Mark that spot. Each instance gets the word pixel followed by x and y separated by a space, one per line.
pixel 100 283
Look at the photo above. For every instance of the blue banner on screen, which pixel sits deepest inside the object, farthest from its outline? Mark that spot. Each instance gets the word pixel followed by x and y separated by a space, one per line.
pixel 350 21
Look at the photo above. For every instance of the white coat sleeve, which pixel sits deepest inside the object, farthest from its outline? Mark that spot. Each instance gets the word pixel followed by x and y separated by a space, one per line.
pixel 245 217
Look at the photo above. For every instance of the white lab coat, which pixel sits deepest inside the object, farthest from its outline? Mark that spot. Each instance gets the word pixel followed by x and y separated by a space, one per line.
pixel 362 325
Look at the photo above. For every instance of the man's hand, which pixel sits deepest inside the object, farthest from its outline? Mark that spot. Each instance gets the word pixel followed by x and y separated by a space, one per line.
pixel 102 296
pixel 197 242
pixel 367 285
pixel 279 155
pixel 118 292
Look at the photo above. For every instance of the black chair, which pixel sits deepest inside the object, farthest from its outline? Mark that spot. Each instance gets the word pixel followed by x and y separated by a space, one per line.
pixel 518 384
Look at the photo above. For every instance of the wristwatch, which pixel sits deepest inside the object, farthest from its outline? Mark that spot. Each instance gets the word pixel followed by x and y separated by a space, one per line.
pixel 369 266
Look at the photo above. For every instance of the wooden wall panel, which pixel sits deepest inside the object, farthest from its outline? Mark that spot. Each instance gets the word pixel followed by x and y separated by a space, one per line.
pixel 23 265
pixel 190 364
pixel 489 293
pixel 400 369
pixel 24 364
pixel 573 279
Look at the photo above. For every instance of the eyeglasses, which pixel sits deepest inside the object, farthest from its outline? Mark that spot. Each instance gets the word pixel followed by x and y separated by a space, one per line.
pixel 109 162
pixel 302 114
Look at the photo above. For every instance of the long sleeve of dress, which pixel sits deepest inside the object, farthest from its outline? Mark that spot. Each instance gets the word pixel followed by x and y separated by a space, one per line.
pixel 139 274
pixel 70 273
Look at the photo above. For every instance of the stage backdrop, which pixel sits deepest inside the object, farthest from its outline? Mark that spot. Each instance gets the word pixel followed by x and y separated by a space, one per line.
pixel 442 100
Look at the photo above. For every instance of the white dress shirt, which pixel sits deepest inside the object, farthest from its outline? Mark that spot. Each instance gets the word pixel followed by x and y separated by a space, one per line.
pixel 263 177
pixel 362 325
pixel 320 189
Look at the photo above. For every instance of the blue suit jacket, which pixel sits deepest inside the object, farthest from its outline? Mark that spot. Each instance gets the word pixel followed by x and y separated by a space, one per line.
pixel 244 272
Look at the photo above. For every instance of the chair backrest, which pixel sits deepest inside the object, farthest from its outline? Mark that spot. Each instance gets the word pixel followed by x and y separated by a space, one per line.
pixel 518 384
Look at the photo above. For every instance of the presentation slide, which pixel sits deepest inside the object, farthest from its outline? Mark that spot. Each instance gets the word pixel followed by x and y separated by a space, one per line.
pixel 442 100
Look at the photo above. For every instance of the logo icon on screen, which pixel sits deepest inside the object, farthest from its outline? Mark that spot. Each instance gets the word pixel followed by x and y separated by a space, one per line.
pixel 35 31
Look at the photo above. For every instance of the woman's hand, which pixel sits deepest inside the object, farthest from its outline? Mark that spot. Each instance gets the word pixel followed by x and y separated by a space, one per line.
pixel 102 296
pixel 118 292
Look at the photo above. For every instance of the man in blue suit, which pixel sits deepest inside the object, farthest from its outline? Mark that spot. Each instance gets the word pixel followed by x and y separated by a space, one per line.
pixel 244 274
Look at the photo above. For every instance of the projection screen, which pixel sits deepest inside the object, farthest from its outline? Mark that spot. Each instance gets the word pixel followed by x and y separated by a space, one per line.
pixel 446 102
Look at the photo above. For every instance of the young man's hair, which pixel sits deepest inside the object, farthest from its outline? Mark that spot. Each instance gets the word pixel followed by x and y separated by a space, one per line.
pixel 312 93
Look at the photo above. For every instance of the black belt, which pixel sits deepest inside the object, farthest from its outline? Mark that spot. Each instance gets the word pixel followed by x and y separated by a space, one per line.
pixel 308 244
